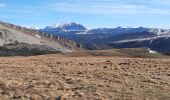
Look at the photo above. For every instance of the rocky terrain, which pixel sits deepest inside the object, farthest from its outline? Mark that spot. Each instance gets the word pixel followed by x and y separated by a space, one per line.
pixel 68 77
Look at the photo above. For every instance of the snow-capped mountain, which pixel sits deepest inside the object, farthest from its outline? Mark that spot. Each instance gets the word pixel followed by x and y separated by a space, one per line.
pixel 160 31
pixel 120 37
pixel 81 30
pixel 79 33
pixel 67 26
pixel 121 30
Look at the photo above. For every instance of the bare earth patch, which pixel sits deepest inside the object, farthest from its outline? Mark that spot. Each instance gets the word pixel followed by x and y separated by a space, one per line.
pixel 58 77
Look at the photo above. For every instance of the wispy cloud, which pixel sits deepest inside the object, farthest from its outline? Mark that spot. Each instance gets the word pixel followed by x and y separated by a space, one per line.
pixel 2 5
pixel 95 12
pixel 106 8
pixel 103 7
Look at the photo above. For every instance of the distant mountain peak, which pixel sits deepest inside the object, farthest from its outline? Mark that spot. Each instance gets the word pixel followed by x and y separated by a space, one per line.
pixel 32 27
pixel 68 26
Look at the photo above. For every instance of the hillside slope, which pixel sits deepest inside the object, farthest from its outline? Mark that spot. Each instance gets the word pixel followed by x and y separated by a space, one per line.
pixel 12 34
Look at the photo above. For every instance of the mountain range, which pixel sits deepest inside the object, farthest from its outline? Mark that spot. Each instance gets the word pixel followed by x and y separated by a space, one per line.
pixel 106 38
pixel 70 36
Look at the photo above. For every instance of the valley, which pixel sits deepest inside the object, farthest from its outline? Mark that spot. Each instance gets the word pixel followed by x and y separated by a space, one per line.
pixel 36 65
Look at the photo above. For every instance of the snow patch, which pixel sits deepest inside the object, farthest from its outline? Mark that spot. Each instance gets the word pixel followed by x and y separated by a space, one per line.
pixel 143 39
pixel 150 41
pixel 68 50
pixel 38 36
pixel 151 51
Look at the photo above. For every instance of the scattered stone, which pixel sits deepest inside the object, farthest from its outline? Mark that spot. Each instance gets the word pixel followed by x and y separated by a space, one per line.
pixel 105 67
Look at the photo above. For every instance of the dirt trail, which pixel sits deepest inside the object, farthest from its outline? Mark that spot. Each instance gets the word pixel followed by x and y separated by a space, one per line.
pixel 84 78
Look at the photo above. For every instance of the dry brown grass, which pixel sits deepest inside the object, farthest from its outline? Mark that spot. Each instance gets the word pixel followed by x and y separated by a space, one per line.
pixel 84 78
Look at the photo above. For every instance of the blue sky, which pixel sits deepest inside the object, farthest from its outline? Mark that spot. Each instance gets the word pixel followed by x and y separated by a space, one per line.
pixel 90 13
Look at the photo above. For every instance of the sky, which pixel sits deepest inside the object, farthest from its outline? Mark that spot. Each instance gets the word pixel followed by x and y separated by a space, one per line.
pixel 90 13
